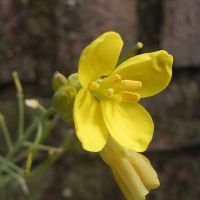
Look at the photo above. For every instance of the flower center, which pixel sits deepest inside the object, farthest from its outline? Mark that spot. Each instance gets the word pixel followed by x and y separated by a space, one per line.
pixel 113 87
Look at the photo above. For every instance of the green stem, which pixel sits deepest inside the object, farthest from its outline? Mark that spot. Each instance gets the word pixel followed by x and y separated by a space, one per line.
pixel 29 161
pixel 19 178
pixel 28 132
pixel 46 130
pixel 35 123
pixel 33 147
pixel 43 147
pixel 11 165
pixel 66 145
pixel 39 133
pixel 130 53
pixel 6 133
pixel 20 98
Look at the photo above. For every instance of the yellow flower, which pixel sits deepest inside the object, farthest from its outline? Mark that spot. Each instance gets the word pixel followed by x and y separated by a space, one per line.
pixel 132 171
pixel 107 102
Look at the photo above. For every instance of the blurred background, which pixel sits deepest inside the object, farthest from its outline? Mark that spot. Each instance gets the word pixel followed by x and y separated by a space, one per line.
pixel 39 37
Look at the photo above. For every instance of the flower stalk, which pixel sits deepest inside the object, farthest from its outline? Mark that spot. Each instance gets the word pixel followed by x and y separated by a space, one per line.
pixel 20 99
pixel 132 52
pixel 6 133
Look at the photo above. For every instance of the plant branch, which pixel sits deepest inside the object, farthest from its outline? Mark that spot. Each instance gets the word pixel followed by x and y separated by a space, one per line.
pixel 20 99
pixel 6 133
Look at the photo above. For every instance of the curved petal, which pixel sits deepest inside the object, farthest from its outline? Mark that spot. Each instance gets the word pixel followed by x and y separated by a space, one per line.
pixel 99 58
pixel 89 123
pixel 133 171
pixel 154 70
pixel 129 124
pixel 144 168
pixel 129 181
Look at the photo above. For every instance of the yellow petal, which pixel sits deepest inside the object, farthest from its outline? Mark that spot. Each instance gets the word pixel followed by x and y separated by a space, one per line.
pixel 132 171
pixel 143 166
pixel 89 123
pixel 154 70
pixel 125 174
pixel 99 58
pixel 129 181
pixel 129 124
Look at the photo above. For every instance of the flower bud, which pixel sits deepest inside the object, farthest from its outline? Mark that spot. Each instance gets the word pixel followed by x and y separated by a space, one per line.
pixel 61 101
pixel 58 81
pixel 139 45
pixel 73 80
pixel 32 103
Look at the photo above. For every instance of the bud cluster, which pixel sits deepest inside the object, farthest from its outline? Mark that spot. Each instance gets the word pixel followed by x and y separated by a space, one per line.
pixel 65 90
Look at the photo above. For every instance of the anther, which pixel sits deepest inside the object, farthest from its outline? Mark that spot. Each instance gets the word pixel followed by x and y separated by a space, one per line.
pixel 110 92
pixel 129 96
pixel 131 85
pixel 116 78
pixel 94 86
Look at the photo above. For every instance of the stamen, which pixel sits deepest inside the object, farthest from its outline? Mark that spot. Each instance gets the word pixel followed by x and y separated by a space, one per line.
pixel 131 85
pixel 116 78
pixel 94 86
pixel 110 92
pixel 129 96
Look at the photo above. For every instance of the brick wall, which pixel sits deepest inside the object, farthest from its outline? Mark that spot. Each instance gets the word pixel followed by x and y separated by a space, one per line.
pixel 39 37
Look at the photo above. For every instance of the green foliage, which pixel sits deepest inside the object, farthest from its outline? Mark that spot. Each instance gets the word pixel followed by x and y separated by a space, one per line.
pixel 17 161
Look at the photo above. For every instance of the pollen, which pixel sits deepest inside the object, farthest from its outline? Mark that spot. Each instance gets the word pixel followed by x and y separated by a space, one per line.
pixel 116 78
pixel 94 86
pixel 129 96
pixel 131 85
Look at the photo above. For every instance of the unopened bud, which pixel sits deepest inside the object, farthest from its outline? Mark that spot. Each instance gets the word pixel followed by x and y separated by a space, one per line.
pixel 73 80
pixel 58 81
pixel 61 101
pixel 32 103
pixel 139 45
pixel 64 97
